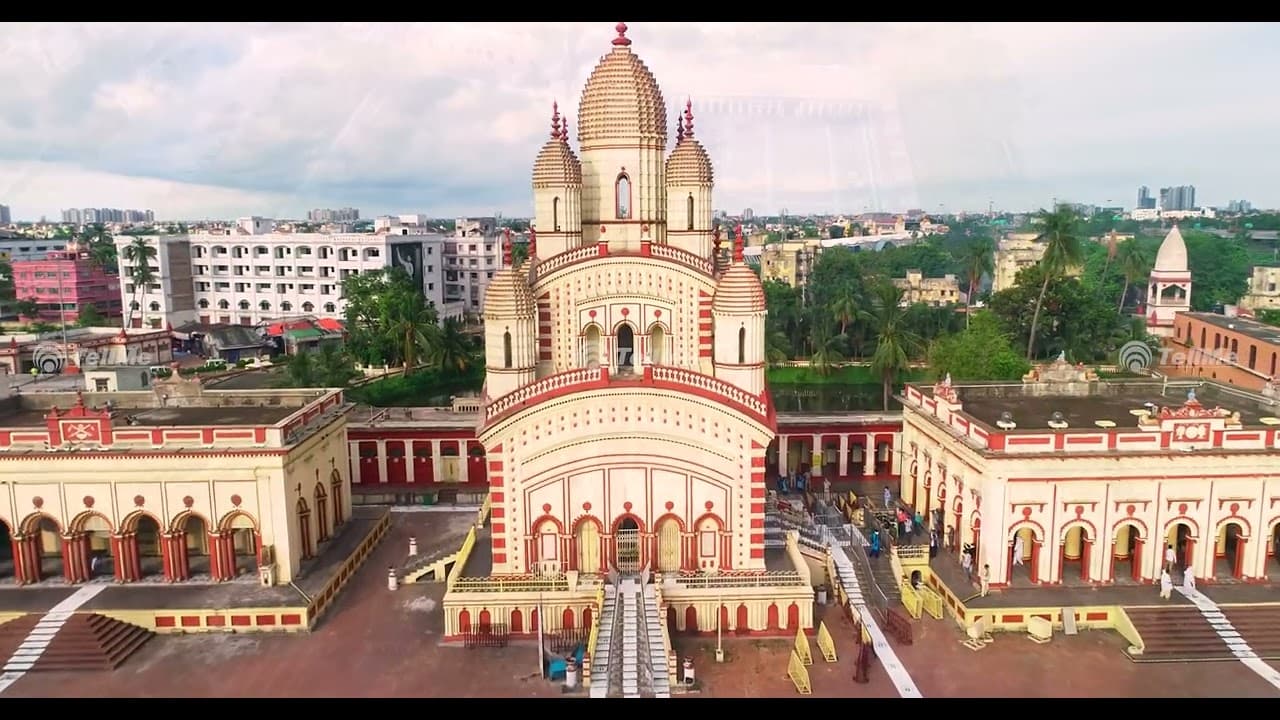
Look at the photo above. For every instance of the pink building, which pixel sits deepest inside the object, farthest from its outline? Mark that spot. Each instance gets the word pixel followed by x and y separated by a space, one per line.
pixel 64 282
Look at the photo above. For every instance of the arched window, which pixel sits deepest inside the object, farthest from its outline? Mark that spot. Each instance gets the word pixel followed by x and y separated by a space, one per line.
pixel 622 197
pixel 264 305
pixel 555 214
pixel 224 304
pixel 154 306
pixel 244 304
pixel 506 349
pixel 742 346
pixel 688 205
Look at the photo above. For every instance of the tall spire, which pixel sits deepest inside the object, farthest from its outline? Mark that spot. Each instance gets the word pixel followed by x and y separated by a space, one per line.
pixel 555 120
pixel 506 249
pixel 564 132
pixel 679 129
pixel 688 117
pixel 622 40
pixel 738 245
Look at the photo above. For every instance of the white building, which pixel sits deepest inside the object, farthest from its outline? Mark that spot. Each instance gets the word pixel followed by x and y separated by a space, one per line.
pixel 251 277
pixel 1169 288
pixel 21 247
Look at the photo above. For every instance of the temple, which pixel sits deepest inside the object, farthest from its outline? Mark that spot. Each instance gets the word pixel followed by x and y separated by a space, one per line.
pixel 625 414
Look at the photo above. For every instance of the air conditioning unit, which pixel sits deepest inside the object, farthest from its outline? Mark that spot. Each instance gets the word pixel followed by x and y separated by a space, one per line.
pixel 267 575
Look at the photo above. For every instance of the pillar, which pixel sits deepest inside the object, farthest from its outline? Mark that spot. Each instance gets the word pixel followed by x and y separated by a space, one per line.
pixel 1086 546
pixel 1237 563
pixel 177 566
pixel 26 559
pixel 75 557
pixel 869 455
pixel 782 454
pixel 222 556
pixel 382 467
pixel 1135 563
pixel 128 563
pixel 843 469
pixel 437 462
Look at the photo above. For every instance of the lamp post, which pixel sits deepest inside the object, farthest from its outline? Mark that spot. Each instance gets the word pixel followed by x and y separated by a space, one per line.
pixel 541 620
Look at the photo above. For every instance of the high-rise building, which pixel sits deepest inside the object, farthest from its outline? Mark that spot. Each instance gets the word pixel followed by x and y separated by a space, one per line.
pixel 1178 197
pixel 1145 201
pixel 342 215
pixel 5 217
pixel 87 216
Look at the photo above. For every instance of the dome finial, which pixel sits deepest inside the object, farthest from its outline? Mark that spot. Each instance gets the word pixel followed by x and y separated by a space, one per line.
pixel 679 129
pixel 738 245
pixel 564 133
pixel 506 249
pixel 688 117
pixel 622 40
pixel 555 120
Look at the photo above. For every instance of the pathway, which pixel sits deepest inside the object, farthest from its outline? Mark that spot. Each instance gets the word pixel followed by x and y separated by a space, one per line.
pixel 1223 627
pixel 25 657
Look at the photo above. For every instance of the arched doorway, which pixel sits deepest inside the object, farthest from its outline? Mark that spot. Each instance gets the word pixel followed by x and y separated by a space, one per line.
pixel 44 558
pixel 669 555
pixel 1076 546
pixel 244 544
pixel 1126 554
pixel 6 550
pixel 587 538
pixel 92 534
pixel 547 546
pixel 1183 542
pixel 322 511
pixel 193 544
pixel 708 534
pixel 1024 556
pixel 1228 553
pixel 657 345
pixel 626 348
pixel 302 512
pixel 626 541
pixel 591 347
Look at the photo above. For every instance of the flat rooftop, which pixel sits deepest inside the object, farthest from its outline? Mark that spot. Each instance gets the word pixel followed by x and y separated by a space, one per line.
pixel 1249 328
pixel 147 409
pixel 430 417
pixel 1112 402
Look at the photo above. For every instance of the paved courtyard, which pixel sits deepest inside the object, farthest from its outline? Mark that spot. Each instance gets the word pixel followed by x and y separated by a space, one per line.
pixel 375 643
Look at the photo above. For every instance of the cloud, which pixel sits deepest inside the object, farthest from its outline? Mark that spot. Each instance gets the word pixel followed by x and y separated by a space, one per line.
pixel 199 120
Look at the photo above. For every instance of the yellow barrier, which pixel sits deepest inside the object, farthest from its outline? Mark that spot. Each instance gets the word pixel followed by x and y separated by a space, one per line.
pixel 866 635
pixel 485 506
pixel 932 602
pixel 593 637
pixel 911 600
pixel 463 554
pixel 799 675
pixel 802 648
pixel 826 644
pixel 1125 627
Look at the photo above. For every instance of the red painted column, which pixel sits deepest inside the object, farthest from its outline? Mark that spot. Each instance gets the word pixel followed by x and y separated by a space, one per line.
pixel 118 557
pixel 182 556
pixel 32 551
pixel 70 563
pixel 1135 562
pixel 1086 553
pixel 166 556
pixel 85 553
pixel 1188 554
pixel 19 567
pixel 1237 567
pixel 135 557
pixel 1035 561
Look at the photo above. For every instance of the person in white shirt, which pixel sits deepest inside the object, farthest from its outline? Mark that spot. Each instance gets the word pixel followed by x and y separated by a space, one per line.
pixel 985 579
pixel 1188 581
pixel 1018 550
pixel 1166 585
pixel 1170 557
pixel 966 562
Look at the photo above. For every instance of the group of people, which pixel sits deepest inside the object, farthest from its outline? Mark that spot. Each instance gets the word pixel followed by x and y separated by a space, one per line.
pixel 1166 577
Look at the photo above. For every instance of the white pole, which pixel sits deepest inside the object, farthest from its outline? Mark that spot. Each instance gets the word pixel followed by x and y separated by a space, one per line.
pixel 719 618
pixel 541 621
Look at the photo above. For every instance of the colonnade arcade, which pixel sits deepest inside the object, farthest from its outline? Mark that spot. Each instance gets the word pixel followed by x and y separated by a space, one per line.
pixel 839 455
pixel 628 544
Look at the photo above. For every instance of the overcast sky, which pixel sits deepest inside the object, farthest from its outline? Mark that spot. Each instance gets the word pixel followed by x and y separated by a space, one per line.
pixel 206 120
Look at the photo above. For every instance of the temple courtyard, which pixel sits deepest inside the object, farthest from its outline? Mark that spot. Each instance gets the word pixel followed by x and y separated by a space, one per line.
pixel 379 643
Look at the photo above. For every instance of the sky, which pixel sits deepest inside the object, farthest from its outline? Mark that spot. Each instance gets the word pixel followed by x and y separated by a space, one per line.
pixel 224 120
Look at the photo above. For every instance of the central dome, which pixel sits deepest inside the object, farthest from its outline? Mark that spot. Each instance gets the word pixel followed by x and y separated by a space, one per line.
pixel 621 100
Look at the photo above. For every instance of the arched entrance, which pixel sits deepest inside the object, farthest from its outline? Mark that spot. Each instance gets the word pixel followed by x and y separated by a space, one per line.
pixel 190 554
pixel 708 533
pixel 1228 553
pixel 1076 546
pixel 42 549
pixel 546 538
pixel 1181 538
pixel 1126 554
pixel 244 544
pixel 1024 556
pixel 587 538
pixel 626 348
pixel 669 559
pixel 591 347
pixel 657 345
pixel 91 534
pixel 626 545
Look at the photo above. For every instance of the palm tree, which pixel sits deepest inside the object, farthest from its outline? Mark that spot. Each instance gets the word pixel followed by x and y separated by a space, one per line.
pixel 845 308
pixel 449 347
pixel 1062 250
pixel 826 347
pixel 1133 265
pixel 139 254
pixel 977 259
pixel 776 348
pixel 895 342
pixel 409 327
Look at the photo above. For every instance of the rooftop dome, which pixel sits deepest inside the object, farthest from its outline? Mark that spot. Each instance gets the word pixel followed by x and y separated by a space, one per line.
pixel 556 165
pixel 739 290
pixel 689 163
pixel 1172 257
pixel 621 100
pixel 508 296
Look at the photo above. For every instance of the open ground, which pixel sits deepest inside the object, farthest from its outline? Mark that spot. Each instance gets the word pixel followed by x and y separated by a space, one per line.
pixel 379 643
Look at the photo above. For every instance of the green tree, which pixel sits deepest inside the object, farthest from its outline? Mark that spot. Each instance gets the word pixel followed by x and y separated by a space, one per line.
pixel 90 317
pixel 449 348
pixel 7 290
pixel 983 351
pixel 1060 233
pixel 826 347
pixel 140 254
pixel 978 259
pixel 27 308
pixel 519 253
pixel 1075 319
pixel 1134 265
pixel 328 367
pixel 894 342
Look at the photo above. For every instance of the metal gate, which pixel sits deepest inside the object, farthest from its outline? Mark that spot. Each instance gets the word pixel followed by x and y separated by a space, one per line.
pixel 628 546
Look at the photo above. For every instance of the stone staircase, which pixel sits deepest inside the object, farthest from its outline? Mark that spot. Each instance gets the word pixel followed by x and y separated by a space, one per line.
pixel 1175 634
pixel 630 661
pixel 70 641
pixel 423 568
pixel 1259 626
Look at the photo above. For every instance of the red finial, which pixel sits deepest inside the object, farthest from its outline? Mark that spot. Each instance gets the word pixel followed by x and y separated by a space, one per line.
pixel 688 117
pixel 555 120
pixel 506 248
pixel 564 134
pixel 622 40
pixel 679 128
pixel 738 245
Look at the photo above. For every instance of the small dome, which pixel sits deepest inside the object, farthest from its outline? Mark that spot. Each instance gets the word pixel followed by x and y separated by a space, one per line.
pixel 621 100
pixel 556 165
pixel 689 163
pixel 1172 257
pixel 509 296
pixel 739 292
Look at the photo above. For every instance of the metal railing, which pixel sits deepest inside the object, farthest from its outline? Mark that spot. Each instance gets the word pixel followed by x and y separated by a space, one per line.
pixel 769 578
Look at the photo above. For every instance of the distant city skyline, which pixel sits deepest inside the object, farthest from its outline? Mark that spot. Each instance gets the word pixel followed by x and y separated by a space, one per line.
pixel 224 120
